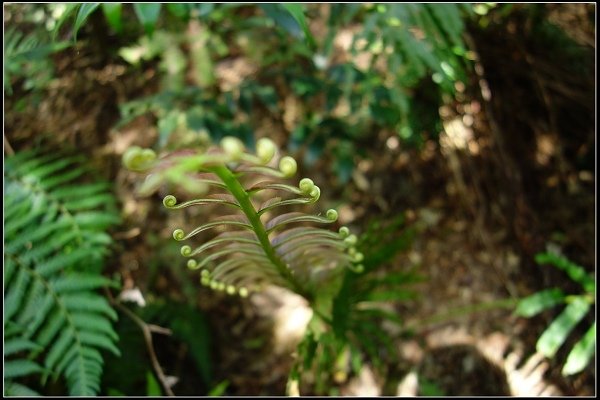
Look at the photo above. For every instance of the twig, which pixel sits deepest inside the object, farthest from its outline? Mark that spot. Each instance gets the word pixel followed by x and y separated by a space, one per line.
pixel 147 331
pixel 159 329
pixel 8 148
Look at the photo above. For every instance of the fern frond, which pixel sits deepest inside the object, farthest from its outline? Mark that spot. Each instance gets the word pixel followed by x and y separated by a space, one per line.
pixel 259 247
pixel 17 368
pixel 17 345
pixel 13 389
pixel 54 244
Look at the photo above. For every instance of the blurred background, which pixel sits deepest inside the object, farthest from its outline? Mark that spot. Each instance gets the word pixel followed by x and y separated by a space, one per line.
pixel 459 137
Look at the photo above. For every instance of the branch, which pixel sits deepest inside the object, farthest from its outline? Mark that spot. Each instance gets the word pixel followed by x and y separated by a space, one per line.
pixel 147 331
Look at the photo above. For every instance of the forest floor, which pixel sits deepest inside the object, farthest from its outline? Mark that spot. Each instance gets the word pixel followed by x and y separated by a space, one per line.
pixel 482 206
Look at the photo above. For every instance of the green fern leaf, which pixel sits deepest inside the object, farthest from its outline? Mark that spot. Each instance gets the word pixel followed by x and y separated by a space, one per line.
pixel 59 347
pixel 17 368
pixel 79 282
pixel 43 311
pixel 51 310
pixel 13 389
pixel 17 345
pixel 98 340
pixel 89 303
pixel 16 293
pixel 68 176
pixel 91 322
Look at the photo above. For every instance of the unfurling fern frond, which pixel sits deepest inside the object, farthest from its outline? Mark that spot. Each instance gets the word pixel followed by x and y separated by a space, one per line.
pixel 55 243
pixel 256 245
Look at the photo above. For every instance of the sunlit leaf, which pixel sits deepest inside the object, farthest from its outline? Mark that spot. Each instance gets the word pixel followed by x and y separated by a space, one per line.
pixel 538 302
pixel 556 334
pixel 581 354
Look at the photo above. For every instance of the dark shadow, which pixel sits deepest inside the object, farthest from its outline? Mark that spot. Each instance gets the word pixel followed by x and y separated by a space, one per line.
pixel 461 370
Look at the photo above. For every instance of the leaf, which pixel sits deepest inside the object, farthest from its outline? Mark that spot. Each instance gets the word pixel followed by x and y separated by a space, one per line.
pixel 91 322
pixel 17 345
pixel 219 389
pixel 283 18
pixel 78 282
pixel 17 368
pixel 297 11
pixel 85 11
pixel 555 335
pixel 98 340
pixel 582 352
pixel 112 12
pixel 538 302
pixel 13 389
pixel 69 9
pixel 147 14
pixel 152 386
pixel 88 302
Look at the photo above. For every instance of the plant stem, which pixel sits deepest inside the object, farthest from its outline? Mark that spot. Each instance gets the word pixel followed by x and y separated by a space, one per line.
pixel 242 197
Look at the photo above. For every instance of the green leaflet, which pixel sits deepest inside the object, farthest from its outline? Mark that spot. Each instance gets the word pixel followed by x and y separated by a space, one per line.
pixel 17 368
pixel 555 335
pixel 538 302
pixel 582 353
pixel 112 12
pixel 18 344
pixel 14 389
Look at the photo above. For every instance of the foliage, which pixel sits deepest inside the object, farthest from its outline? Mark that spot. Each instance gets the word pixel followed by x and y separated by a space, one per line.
pixel 258 248
pixel 55 324
pixel 27 56
pixel 359 309
pixel 289 16
pixel 576 308
pixel 318 264
pixel 338 103
pixel 188 326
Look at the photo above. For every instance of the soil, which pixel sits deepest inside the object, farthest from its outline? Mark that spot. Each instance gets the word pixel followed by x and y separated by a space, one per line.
pixel 518 177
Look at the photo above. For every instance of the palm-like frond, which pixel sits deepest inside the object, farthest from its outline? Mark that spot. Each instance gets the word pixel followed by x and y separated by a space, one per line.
pixel 260 246
pixel 55 243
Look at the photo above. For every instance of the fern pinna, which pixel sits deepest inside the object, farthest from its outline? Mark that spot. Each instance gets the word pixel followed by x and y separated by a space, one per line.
pixel 258 247
pixel 54 248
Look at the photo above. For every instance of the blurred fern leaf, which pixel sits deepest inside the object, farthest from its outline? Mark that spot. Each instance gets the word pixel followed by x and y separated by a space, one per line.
pixel 54 322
